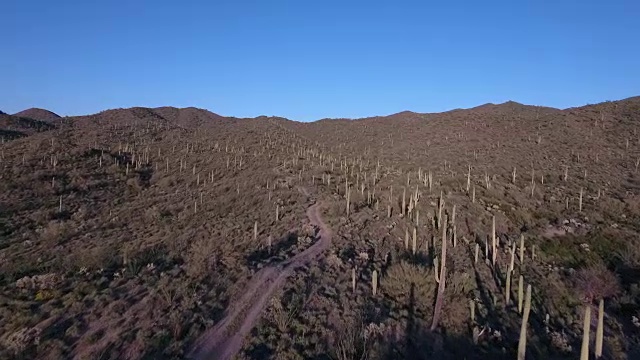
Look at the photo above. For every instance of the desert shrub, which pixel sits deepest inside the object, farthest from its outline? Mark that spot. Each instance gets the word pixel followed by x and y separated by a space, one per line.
pixel 350 341
pixel 55 232
pixel 150 255
pixel 611 208
pixel 522 217
pixel 99 257
pixel 335 210
pixel 20 340
pixel 606 244
pixel 201 258
pixel 461 283
pixel 39 282
pixel 410 285
pixel 596 282
pixel 133 187
pixel 566 251
pixel 628 256
pixel 44 295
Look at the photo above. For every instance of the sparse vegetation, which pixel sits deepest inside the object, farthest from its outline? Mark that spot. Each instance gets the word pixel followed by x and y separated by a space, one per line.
pixel 480 233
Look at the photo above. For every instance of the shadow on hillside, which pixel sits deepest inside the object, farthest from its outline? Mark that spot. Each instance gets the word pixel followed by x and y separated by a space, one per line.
pixel 7 135
pixel 418 342
pixel 145 174
pixel 280 250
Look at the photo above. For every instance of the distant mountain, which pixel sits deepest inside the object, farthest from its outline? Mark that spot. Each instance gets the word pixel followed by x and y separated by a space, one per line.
pixel 38 114
pixel 12 126
pixel 170 116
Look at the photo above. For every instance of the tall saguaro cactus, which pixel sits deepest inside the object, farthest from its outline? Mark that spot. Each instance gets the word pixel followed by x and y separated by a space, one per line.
pixel 600 329
pixel 404 201
pixel 493 241
pixel 522 343
pixel 374 282
pixel 520 285
pixel 584 350
pixel 414 245
pixel 443 277
pixel 353 280
pixel 453 226
pixel 347 195
pixel 507 290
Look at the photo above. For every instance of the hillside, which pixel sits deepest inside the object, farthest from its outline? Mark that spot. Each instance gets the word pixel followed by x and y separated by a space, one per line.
pixel 38 114
pixel 166 233
pixel 13 127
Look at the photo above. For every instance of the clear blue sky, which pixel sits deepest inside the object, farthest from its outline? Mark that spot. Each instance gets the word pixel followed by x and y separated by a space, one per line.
pixel 307 60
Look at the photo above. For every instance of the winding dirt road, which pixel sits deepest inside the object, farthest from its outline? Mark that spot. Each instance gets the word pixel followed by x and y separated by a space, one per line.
pixel 226 338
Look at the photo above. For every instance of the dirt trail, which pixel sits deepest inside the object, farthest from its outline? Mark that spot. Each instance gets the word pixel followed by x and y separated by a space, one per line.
pixel 225 339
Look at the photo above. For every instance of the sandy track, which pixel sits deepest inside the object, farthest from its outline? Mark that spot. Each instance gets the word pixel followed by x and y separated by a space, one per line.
pixel 226 338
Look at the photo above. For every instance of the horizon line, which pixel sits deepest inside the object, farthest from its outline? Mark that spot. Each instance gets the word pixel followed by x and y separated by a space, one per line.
pixel 324 118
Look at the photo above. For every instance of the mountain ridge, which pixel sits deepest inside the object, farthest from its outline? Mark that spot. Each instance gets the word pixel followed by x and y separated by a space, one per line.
pixel 38 114
pixel 172 111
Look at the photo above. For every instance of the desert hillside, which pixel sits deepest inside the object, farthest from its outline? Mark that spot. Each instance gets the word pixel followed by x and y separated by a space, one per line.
pixel 166 233
pixel 38 114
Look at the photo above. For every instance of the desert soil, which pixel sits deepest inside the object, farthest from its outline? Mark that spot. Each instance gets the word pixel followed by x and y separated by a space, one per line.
pixel 225 340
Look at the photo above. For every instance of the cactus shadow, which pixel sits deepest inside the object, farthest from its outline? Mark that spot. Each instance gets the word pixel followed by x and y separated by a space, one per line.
pixel 483 293
pixel 60 215
pixel 422 344
pixel 419 258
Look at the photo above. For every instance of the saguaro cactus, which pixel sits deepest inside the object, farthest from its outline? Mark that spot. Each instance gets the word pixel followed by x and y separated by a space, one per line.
pixel 406 239
pixel 520 285
pixel 512 251
pixel 439 298
pixel 440 207
pixel 533 252
pixel 414 246
pixel 600 329
pixel 494 253
pixel 473 194
pixel 374 282
pixel 472 308
pixel 475 259
pixel 443 277
pixel 584 350
pixel 453 226
pixel 522 343
pixel 507 293
pixel 347 195
pixel 353 280
pixel 444 246
pixel 404 201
